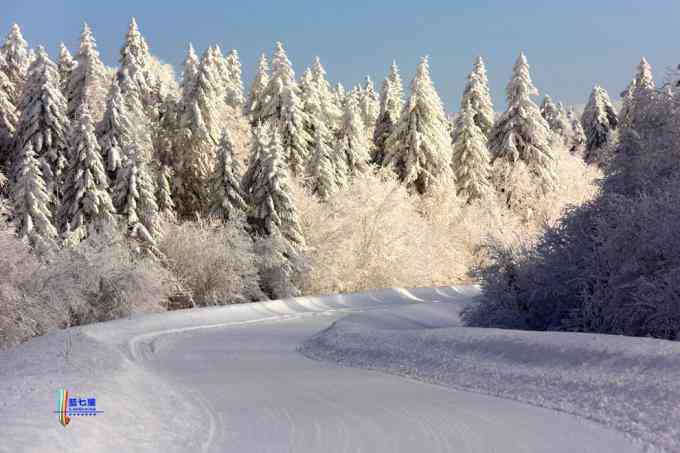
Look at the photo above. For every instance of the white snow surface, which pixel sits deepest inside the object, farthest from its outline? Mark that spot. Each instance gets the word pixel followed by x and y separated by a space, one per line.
pixel 231 378
pixel 629 384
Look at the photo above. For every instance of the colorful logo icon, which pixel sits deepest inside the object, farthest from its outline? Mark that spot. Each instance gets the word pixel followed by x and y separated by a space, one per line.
pixel 68 406
pixel 62 408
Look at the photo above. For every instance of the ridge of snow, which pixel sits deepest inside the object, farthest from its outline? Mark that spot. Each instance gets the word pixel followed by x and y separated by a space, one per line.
pixel 629 384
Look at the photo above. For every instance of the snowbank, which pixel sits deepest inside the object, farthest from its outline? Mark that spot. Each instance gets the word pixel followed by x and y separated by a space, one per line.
pixel 631 384
pixel 142 412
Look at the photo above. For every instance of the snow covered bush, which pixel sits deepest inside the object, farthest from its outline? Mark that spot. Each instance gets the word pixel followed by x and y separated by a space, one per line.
pixel 610 265
pixel 215 261
pixel 368 235
pixel 374 234
pixel 98 280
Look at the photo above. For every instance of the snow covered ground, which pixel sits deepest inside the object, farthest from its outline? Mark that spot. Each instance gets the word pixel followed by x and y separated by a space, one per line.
pixel 231 379
pixel 631 384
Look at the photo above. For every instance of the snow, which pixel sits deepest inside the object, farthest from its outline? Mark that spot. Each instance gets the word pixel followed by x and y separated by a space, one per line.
pixel 230 379
pixel 625 383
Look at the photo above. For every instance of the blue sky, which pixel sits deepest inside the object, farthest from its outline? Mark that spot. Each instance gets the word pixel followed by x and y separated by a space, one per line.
pixel 570 45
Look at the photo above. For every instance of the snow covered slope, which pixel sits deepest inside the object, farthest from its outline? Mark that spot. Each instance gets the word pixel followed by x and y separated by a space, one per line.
pixel 230 379
pixel 631 384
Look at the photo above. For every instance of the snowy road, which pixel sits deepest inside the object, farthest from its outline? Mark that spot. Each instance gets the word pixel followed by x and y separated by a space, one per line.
pixel 264 396
pixel 231 379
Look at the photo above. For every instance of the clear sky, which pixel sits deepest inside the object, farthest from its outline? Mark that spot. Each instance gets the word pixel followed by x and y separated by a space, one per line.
pixel 571 45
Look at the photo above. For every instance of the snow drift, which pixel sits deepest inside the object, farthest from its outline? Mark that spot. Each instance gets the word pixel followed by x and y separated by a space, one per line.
pixel 629 384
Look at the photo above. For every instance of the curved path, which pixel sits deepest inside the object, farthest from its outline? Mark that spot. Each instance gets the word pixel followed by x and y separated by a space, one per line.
pixel 260 395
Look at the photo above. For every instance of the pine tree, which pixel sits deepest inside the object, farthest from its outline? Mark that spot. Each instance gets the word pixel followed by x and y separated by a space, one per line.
pixel 66 65
pixel 255 97
pixel 226 198
pixel 166 205
pixel 419 150
pixel 273 212
pixel 86 203
pixel 235 97
pixel 284 111
pixel 116 131
pixel 352 143
pixel 638 90
pixel 191 65
pixel 578 134
pixel 322 167
pixel 200 120
pixel 477 95
pixel 391 105
pixel 522 135
pixel 329 109
pixel 556 119
pixel 258 149
pixel 8 122
pixel 369 106
pixel 135 199
pixel 43 122
pixel 31 199
pixel 599 121
pixel 134 61
pixel 309 97
pixel 15 61
pixel 89 81
pixel 470 160
pixel 340 95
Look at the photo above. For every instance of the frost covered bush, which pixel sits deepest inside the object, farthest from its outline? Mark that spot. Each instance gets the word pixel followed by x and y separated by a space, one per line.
pixel 368 235
pixel 611 265
pixel 215 261
pixel 373 234
pixel 98 280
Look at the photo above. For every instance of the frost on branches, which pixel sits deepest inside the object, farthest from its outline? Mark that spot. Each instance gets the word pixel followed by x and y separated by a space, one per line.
pixel 117 131
pixel 477 95
pixel 329 110
pixel 273 212
pixel 200 119
pixel 135 199
pixel 191 64
pixel 419 150
pixel 274 218
pixel 578 137
pixel 353 145
pixel 166 205
pixel 86 203
pixel 226 198
pixel 43 122
pixel 322 166
pixel 369 105
pixel 8 121
pixel 391 104
pixel 15 59
pixel 520 139
pixel 599 122
pixel 284 111
pixel 234 88
pixel 470 160
pixel 636 95
pixel 135 60
pixel 90 81
pixel 66 65
pixel 255 98
pixel 557 120
pixel 31 200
